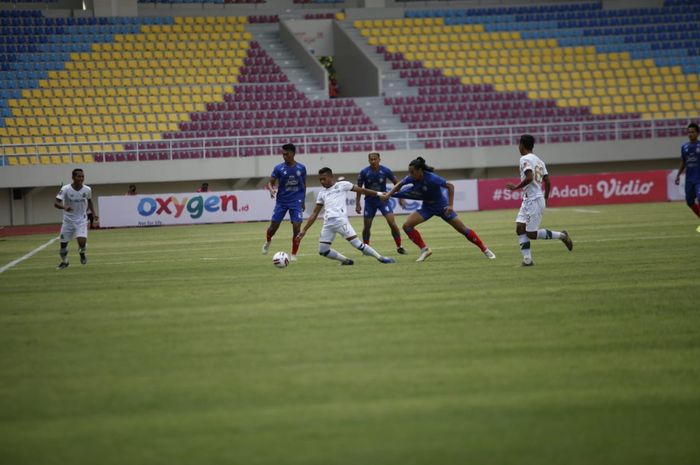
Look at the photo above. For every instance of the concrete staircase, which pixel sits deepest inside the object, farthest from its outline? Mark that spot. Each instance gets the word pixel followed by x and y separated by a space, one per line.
pixel 267 35
pixel 392 86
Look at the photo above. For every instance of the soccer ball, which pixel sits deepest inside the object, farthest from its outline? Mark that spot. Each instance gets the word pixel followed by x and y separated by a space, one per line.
pixel 280 260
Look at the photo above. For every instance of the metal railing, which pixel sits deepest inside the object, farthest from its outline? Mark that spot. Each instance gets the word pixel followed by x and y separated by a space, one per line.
pixel 340 142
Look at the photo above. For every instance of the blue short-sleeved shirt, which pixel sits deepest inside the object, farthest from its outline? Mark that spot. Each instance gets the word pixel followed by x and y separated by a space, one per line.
pixel 429 189
pixel 291 182
pixel 375 180
pixel 690 153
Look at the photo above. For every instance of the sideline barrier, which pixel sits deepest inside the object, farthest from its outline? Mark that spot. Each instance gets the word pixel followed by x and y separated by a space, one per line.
pixel 470 195
pixel 583 189
pixel 231 206
pixel 184 208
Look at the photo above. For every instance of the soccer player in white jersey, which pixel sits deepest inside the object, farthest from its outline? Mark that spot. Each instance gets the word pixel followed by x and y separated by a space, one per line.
pixel 533 173
pixel 74 199
pixel 333 197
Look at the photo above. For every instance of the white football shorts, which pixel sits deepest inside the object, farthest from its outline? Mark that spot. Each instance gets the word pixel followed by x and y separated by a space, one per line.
pixel 530 213
pixel 70 230
pixel 333 226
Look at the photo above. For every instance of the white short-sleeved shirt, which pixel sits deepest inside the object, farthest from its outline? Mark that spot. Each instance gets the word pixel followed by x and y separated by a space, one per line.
pixel 539 170
pixel 334 200
pixel 77 200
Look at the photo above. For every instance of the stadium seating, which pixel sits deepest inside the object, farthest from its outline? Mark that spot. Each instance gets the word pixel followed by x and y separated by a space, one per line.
pixel 557 64
pixel 103 85
pixel 256 119
pixel 126 84
pixel 119 88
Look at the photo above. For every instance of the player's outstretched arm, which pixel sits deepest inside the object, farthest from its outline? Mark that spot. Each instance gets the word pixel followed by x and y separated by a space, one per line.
pixel 394 189
pixel 362 190
pixel 528 179
pixel 310 221
pixel 547 187
pixel 384 196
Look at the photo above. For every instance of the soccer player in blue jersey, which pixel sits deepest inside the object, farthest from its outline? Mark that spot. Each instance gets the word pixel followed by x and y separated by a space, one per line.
pixel 291 177
pixel 374 177
pixel 690 163
pixel 428 187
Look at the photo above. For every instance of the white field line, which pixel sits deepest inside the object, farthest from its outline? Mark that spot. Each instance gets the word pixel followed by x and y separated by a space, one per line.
pixel 24 257
pixel 581 210
pixel 512 244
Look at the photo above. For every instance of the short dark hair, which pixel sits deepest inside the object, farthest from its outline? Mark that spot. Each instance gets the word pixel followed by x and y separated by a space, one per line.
pixel 205 184
pixel 419 163
pixel 325 170
pixel 289 148
pixel 693 126
pixel 75 171
pixel 527 141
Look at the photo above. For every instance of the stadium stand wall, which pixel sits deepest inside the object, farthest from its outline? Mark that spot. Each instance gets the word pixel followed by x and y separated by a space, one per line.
pixel 240 173
pixel 38 184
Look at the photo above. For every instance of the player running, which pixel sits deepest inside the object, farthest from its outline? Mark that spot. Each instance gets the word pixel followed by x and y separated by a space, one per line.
pixel 690 163
pixel 428 186
pixel 290 197
pixel 75 200
pixel 374 177
pixel 333 197
pixel 533 173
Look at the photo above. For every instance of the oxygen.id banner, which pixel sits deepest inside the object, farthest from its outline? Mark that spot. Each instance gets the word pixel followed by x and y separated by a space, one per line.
pixel 185 208
pixel 583 189
pixel 232 206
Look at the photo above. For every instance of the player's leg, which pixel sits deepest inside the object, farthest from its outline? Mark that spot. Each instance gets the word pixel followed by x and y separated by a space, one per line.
pixel 63 253
pixel 696 208
pixel 346 230
pixel 277 217
pixel 325 250
pixel 81 235
pixel 82 245
pixel 324 245
pixel 409 227
pixel 368 217
pixel 563 235
pixel 366 226
pixel 388 213
pixel 692 196
pixel 67 233
pixel 524 242
pixel 470 234
pixel 535 218
pixel 524 238
pixel 295 215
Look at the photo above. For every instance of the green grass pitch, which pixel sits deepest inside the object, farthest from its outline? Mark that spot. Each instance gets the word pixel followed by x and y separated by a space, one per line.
pixel 184 345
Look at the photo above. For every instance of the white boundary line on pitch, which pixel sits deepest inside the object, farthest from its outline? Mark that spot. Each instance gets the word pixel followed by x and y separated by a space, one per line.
pixel 511 244
pixel 24 257
pixel 581 210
